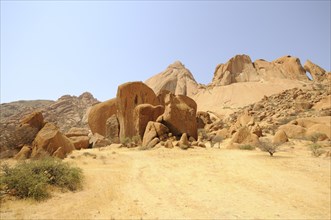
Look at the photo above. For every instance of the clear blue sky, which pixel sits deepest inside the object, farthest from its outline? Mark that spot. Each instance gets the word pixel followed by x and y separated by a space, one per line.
pixel 53 48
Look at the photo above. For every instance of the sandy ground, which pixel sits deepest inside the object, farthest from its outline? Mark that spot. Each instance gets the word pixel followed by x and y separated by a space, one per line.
pixel 193 184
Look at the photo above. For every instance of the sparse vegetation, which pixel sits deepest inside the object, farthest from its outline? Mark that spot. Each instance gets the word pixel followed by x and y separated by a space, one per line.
pixel 32 179
pixel 136 139
pixel 316 150
pixel 216 139
pixel 246 147
pixel 316 137
pixel 268 146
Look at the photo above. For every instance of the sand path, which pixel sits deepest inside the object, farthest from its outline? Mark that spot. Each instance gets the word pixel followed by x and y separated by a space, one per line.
pixel 193 184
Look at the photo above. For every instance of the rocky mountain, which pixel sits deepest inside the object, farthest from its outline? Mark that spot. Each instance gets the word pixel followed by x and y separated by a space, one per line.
pixel 176 78
pixel 240 68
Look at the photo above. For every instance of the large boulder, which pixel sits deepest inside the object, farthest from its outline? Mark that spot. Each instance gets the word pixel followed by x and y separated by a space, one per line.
pixel 24 153
pixel 280 137
pixel 144 113
pixel 203 118
pixel 244 136
pixel 153 130
pixel 129 96
pixel 48 140
pixel 35 119
pixel 97 141
pixel 293 131
pixel 180 115
pixel 113 129
pixel 28 129
pixel 99 114
pixel 80 142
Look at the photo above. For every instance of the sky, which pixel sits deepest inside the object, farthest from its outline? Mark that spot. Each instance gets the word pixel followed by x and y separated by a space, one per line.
pixel 53 48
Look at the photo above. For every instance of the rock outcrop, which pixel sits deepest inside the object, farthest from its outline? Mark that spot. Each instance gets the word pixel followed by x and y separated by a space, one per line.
pixel 48 142
pixel 317 72
pixel 99 114
pixel 240 68
pixel 129 96
pixel 180 115
pixel 144 113
pixel 176 79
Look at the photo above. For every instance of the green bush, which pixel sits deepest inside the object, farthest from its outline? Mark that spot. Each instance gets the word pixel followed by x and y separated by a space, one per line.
pixel 31 179
pixel 316 150
pixel 246 147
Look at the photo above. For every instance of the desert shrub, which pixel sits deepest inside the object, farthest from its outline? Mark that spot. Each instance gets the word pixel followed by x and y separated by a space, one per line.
pixel 202 133
pixel 136 139
pixel 125 141
pixel 315 137
pixel 316 150
pixel 31 179
pixel 268 146
pixel 216 139
pixel 246 147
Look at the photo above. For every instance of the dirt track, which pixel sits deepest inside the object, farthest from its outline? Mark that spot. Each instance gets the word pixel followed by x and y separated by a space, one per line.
pixel 198 183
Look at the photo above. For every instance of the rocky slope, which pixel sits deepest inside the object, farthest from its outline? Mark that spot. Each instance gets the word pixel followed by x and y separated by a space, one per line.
pixel 65 113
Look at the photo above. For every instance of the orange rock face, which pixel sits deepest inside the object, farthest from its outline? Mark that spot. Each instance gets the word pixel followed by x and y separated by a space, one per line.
pixel 129 96
pixel 99 114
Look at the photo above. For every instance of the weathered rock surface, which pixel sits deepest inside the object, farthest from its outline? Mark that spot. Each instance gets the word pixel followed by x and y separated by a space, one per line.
pixel 24 153
pixel 280 137
pixel 240 68
pixel 48 140
pixel 317 72
pixel 97 141
pixel 99 115
pixel 176 79
pixel 129 96
pixel 180 115
pixel 144 113
pixel 113 129
pixel 244 136
pixel 153 130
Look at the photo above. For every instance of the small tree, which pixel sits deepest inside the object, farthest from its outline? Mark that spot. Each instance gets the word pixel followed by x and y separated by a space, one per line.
pixel 268 146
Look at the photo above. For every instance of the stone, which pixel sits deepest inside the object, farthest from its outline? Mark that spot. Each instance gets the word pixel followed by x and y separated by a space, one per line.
pixel 80 142
pixel 48 140
pixel 113 129
pixel 183 142
pixel 152 143
pixel 180 115
pixel 74 132
pixel 60 153
pixel 129 96
pixel 293 131
pixel 203 118
pixel 35 119
pixel 24 153
pixel 169 144
pixel 280 137
pixel 99 115
pixel 244 136
pixel 144 113
pixel 154 129
pixel 97 141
